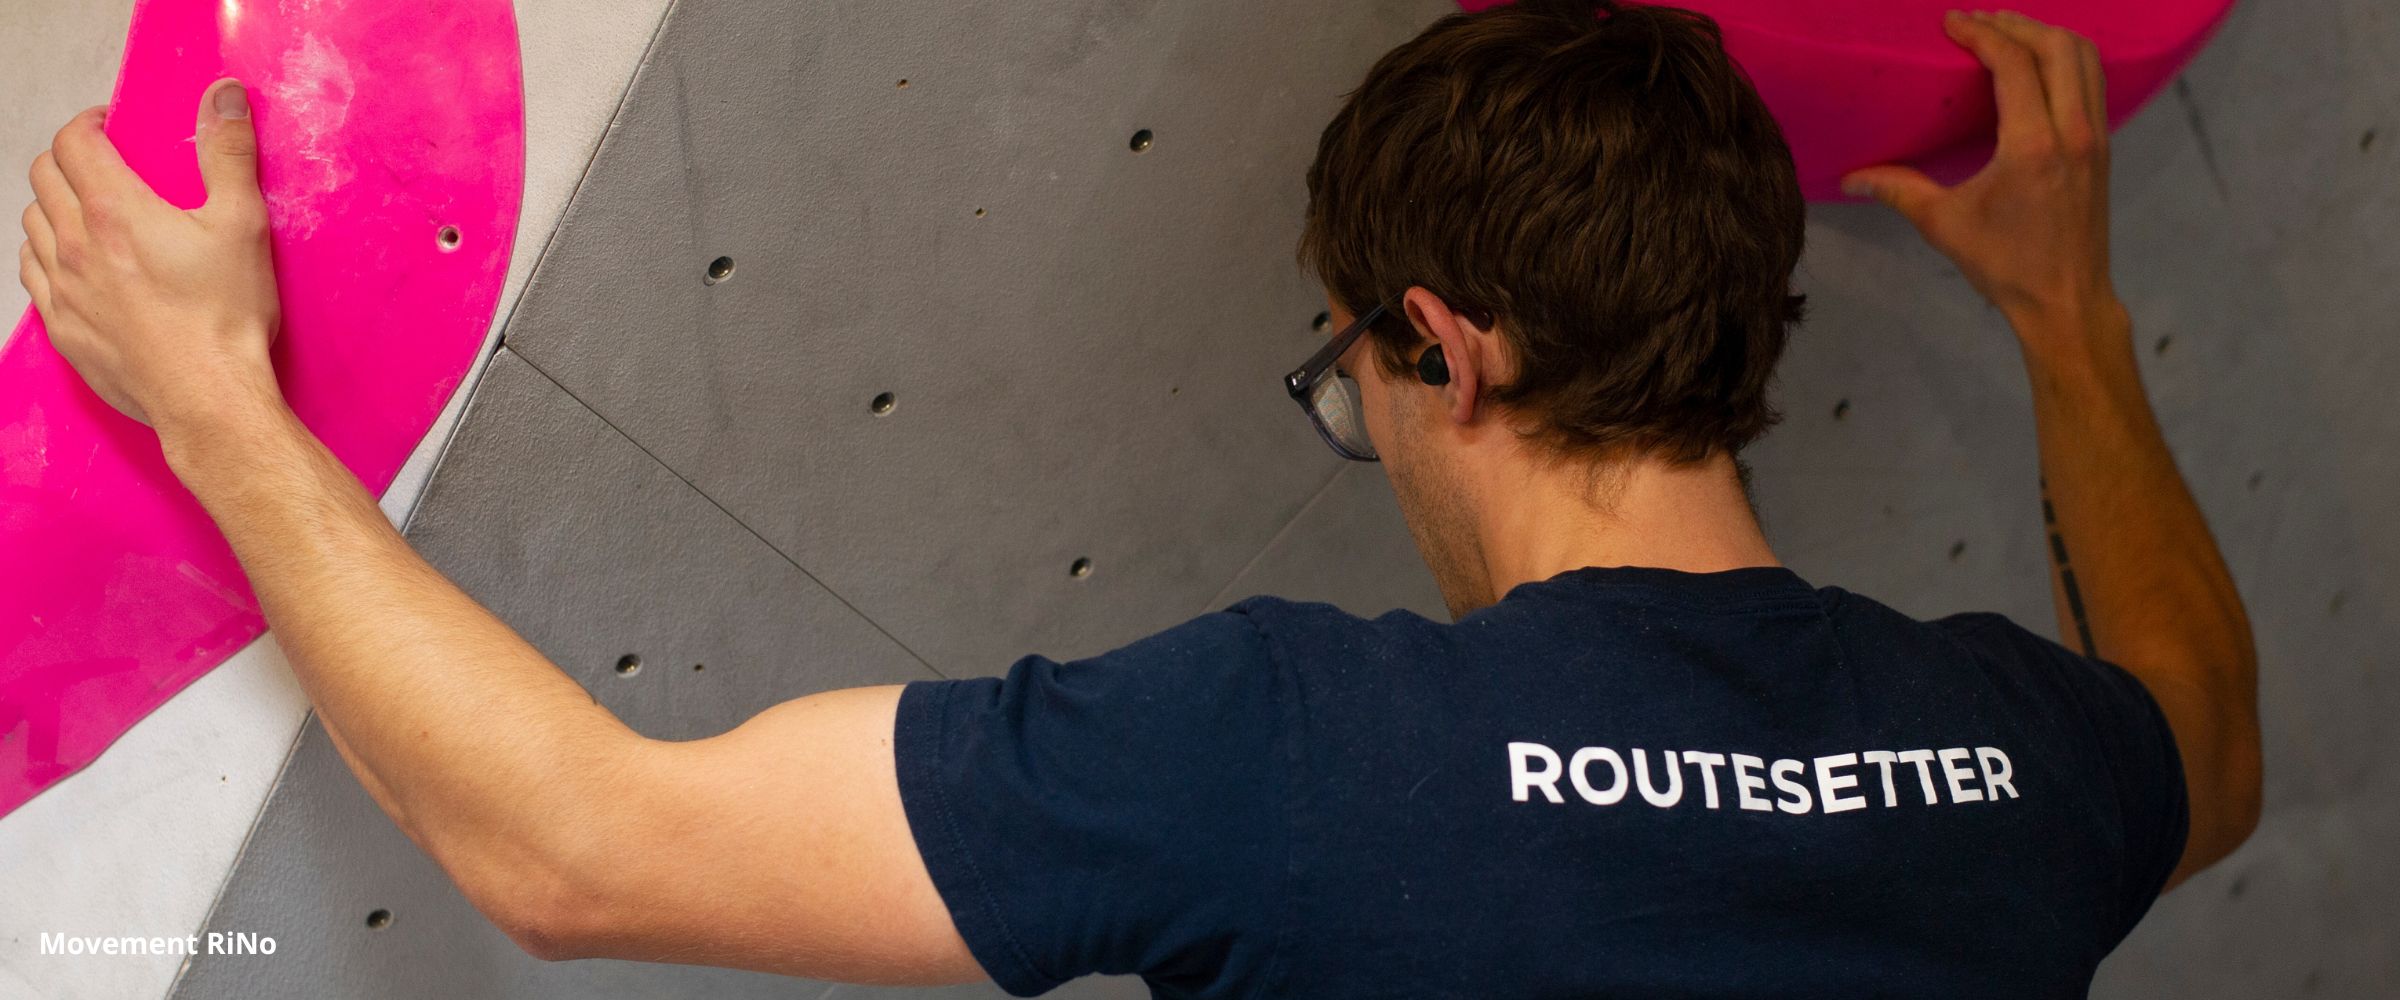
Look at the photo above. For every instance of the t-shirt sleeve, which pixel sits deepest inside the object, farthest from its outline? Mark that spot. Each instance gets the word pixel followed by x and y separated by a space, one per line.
pixel 2145 768
pixel 1117 814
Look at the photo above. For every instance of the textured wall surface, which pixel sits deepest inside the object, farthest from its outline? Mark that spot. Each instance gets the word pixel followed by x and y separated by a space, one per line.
pixel 1081 342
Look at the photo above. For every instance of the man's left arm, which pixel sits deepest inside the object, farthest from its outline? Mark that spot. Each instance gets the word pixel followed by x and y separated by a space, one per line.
pixel 779 846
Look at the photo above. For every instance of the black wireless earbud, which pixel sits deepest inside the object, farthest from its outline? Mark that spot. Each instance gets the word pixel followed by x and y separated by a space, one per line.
pixel 1432 367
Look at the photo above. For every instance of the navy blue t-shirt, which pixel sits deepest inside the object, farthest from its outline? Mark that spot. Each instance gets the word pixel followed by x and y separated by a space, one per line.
pixel 1615 782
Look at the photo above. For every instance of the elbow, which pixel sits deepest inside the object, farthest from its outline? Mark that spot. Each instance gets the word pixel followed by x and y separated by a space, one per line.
pixel 2245 801
pixel 550 913
pixel 2234 803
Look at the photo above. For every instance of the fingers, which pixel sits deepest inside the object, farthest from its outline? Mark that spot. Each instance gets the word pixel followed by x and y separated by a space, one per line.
pixel 89 161
pixel 2066 90
pixel 2016 80
pixel 30 275
pixel 39 237
pixel 1903 188
pixel 228 148
pixel 2096 89
pixel 51 193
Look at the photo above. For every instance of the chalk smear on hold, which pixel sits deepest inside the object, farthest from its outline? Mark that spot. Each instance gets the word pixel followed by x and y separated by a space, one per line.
pixel 312 92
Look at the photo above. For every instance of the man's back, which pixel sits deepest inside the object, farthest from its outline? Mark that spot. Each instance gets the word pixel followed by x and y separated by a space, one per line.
pixel 1613 782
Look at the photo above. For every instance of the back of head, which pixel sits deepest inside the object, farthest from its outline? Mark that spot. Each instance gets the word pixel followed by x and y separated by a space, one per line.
pixel 1605 181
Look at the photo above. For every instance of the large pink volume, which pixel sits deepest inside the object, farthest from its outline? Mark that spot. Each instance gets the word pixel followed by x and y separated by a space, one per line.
pixel 1857 83
pixel 392 140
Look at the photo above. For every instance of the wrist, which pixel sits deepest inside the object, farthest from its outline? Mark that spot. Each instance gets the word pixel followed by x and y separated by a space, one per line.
pixel 227 430
pixel 2073 332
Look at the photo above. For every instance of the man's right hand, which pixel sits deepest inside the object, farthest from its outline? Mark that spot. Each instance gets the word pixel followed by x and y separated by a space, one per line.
pixel 2146 588
pixel 2031 230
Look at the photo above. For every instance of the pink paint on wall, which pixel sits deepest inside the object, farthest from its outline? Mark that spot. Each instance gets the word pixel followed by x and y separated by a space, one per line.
pixel 392 154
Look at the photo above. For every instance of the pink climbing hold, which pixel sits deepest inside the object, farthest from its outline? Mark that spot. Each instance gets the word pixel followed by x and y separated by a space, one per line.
pixel 1856 83
pixel 392 154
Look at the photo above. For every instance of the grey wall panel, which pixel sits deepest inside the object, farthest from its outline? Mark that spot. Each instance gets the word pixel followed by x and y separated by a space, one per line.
pixel 1349 548
pixel 1086 369
pixel 593 551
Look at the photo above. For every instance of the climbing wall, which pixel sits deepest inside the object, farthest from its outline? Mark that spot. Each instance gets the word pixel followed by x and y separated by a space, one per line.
pixel 825 379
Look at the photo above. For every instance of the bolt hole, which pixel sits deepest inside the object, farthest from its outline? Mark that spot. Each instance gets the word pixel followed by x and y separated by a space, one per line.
pixel 719 270
pixel 698 667
pixel 1142 141
pixel 1322 323
pixel 2163 343
pixel 1841 409
pixel 448 238
pixel 904 85
pixel 980 213
pixel 2257 478
pixel 882 403
pixel 1080 569
pixel 2366 140
pixel 629 665
pixel 1958 551
pixel 379 919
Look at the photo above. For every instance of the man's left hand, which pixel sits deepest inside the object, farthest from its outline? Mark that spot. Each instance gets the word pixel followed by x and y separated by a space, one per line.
pixel 166 314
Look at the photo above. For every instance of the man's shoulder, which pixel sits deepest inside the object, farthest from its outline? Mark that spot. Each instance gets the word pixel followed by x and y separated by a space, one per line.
pixel 1288 624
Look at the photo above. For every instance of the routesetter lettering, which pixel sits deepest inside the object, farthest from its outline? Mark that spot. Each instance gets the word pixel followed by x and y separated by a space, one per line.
pixel 1841 782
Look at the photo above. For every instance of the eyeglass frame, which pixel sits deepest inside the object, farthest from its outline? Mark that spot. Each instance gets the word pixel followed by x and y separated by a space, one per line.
pixel 1303 381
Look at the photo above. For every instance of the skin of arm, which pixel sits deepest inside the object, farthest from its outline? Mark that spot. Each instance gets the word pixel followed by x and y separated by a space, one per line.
pixel 780 846
pixel 2136 576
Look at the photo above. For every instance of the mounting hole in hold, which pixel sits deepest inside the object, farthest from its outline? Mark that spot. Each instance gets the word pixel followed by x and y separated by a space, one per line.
pixel 719 270
pixel 1142 141
pixel 379 919
pixel 1322 323
pixel 904 85
pixel 882 403
pixel 2164 342
pixel 629 665
pixel 1841 409
pixel 447 238
pixel 1958 551
pixel 1080 569
pixel 980 213
pixel 698 667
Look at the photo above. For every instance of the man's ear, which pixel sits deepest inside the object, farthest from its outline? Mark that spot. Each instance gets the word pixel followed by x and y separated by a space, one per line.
pixel 1470 352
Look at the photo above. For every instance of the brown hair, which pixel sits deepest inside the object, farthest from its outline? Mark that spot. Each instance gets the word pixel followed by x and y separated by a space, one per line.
pixel 1605 181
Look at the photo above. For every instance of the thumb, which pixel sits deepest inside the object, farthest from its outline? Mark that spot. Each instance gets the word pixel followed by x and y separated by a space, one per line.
pixel 228 144
pixel 1904 188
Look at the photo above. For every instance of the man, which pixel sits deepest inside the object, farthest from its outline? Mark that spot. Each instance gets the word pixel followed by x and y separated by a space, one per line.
pixel 1645 760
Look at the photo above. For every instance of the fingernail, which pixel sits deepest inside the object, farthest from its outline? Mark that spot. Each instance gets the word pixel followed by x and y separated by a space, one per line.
pixel 233 102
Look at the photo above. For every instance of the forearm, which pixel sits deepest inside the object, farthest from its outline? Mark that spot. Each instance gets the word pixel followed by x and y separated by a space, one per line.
pixel 2138 578
pixel 480 748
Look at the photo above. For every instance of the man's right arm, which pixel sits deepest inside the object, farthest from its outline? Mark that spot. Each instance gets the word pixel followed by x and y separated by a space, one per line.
pixel 2136 576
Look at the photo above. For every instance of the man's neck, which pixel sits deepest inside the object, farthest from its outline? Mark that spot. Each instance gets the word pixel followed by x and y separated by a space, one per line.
pixel 1644 511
